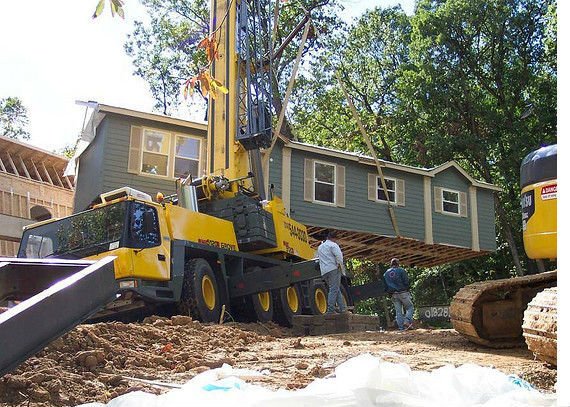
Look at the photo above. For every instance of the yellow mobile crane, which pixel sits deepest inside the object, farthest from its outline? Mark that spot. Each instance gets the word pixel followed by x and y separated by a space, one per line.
pixel 219 245
pixel 505 313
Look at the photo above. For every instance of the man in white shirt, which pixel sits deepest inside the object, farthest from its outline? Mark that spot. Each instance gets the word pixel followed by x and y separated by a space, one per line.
pixel 331 264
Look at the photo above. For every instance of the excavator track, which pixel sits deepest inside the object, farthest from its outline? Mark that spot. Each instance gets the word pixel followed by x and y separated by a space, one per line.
pixel 490 313
pixel 540 325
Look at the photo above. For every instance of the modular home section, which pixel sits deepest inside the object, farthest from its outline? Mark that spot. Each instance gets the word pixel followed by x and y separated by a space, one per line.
pixel 423 216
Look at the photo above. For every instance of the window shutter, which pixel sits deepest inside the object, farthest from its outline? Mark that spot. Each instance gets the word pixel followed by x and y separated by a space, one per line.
pixel 437 199
pixel 340 186
pixel 463 204
pixel 309 179
pixel 400 192
pixel 372 187
pixel 135 147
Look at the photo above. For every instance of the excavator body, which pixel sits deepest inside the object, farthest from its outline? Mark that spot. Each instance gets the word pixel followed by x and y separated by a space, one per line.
pixel 508 312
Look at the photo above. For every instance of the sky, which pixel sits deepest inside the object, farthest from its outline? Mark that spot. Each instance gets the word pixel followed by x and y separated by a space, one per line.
pixel 52 53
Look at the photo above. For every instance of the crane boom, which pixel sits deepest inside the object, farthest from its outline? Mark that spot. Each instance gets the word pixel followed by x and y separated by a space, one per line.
pixel 240 121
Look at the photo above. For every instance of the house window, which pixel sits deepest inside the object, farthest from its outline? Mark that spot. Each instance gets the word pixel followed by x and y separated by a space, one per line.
pixel 164 154
pixel 450 201
pixel 390 187
pixel 155 152
pixel 187 157
pixel 324 182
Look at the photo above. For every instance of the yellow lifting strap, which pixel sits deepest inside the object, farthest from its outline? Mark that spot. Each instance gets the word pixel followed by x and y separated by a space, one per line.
pixel 379 165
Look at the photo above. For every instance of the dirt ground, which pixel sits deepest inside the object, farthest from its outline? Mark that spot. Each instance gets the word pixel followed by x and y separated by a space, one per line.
pixel 101 361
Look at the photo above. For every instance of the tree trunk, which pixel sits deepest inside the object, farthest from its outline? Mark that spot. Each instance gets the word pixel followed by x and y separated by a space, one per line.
pixel 509 236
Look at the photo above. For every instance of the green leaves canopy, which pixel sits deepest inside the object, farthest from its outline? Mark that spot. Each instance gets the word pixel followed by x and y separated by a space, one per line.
pixel 13 119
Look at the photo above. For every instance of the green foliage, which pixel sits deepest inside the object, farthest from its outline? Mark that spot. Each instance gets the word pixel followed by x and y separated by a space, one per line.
pixel 67 151
pixel 13 119
pixel 368 57
pixel 471 81
pixel 164 50
pixel 116 7
pixel 479 90
pixel 165 54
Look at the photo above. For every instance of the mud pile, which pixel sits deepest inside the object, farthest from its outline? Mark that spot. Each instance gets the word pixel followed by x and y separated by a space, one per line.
pixel 91 362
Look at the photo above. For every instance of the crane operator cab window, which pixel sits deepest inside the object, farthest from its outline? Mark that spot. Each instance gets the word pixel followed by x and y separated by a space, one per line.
pixel 143 226
pixel 124 224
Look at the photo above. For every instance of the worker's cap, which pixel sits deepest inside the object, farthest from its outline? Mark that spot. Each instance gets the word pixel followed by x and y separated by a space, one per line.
pixel 331 233
pixel 394 262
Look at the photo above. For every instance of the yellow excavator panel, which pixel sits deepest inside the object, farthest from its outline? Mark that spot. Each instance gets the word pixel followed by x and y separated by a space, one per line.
pixel 539 228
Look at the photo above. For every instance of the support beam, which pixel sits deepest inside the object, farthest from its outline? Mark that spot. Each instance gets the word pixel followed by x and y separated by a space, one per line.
pixel 12 164
pixel 474 219
pixel 69 184
pixel 47 174
pixel 2 165
pixel 36 170
pixel 57 177
pixel 24 166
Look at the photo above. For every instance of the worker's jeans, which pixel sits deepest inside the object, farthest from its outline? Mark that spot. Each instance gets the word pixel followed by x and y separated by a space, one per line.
pixel 404 308
pixel 332 278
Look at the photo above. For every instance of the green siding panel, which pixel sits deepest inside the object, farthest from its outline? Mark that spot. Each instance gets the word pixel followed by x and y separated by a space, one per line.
pixel 359 214
pixel 275 169
pixel 450 229
pixel 486 213
pixel 110 151
pixel 89 182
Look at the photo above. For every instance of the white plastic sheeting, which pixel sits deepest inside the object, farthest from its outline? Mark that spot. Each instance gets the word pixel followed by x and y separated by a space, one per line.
pixel 364 380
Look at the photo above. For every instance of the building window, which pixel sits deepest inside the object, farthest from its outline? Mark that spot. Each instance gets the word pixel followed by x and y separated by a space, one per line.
pixel 155 152
pixel 325 175
pixel 390 187
pixel 450 201
pixel 187 157
pixel 164 154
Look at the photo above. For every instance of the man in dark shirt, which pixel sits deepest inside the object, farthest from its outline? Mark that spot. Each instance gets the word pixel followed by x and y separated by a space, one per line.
pixel 398 286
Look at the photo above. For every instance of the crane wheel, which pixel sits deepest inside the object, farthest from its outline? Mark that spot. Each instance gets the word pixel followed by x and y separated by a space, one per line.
pixel 287 303
pixel 262 304
pixel 200 292
pixel 318 298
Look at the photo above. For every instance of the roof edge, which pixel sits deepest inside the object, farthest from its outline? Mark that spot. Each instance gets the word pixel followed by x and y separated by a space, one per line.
pixel 152 116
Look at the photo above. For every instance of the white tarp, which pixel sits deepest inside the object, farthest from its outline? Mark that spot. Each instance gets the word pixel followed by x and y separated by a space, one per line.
pixel 364 380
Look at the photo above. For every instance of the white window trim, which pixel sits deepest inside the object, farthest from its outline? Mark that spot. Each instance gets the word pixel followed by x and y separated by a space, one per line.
pixel 315 200
pixel 171 136
pixel 186 158
pixel 379 187
pixel 458 214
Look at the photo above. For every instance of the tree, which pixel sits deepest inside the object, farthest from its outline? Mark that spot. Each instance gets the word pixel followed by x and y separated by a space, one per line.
pixel 481 89
pixel 13 119
pixel 368 57
pixel 165 50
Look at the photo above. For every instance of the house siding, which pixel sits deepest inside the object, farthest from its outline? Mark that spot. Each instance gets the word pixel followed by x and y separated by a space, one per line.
pixel 486 212
pixel 91 164
pixel 111 148
pixel 104 167
pixel 359 214
pixel 450 229
pixel 275 169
